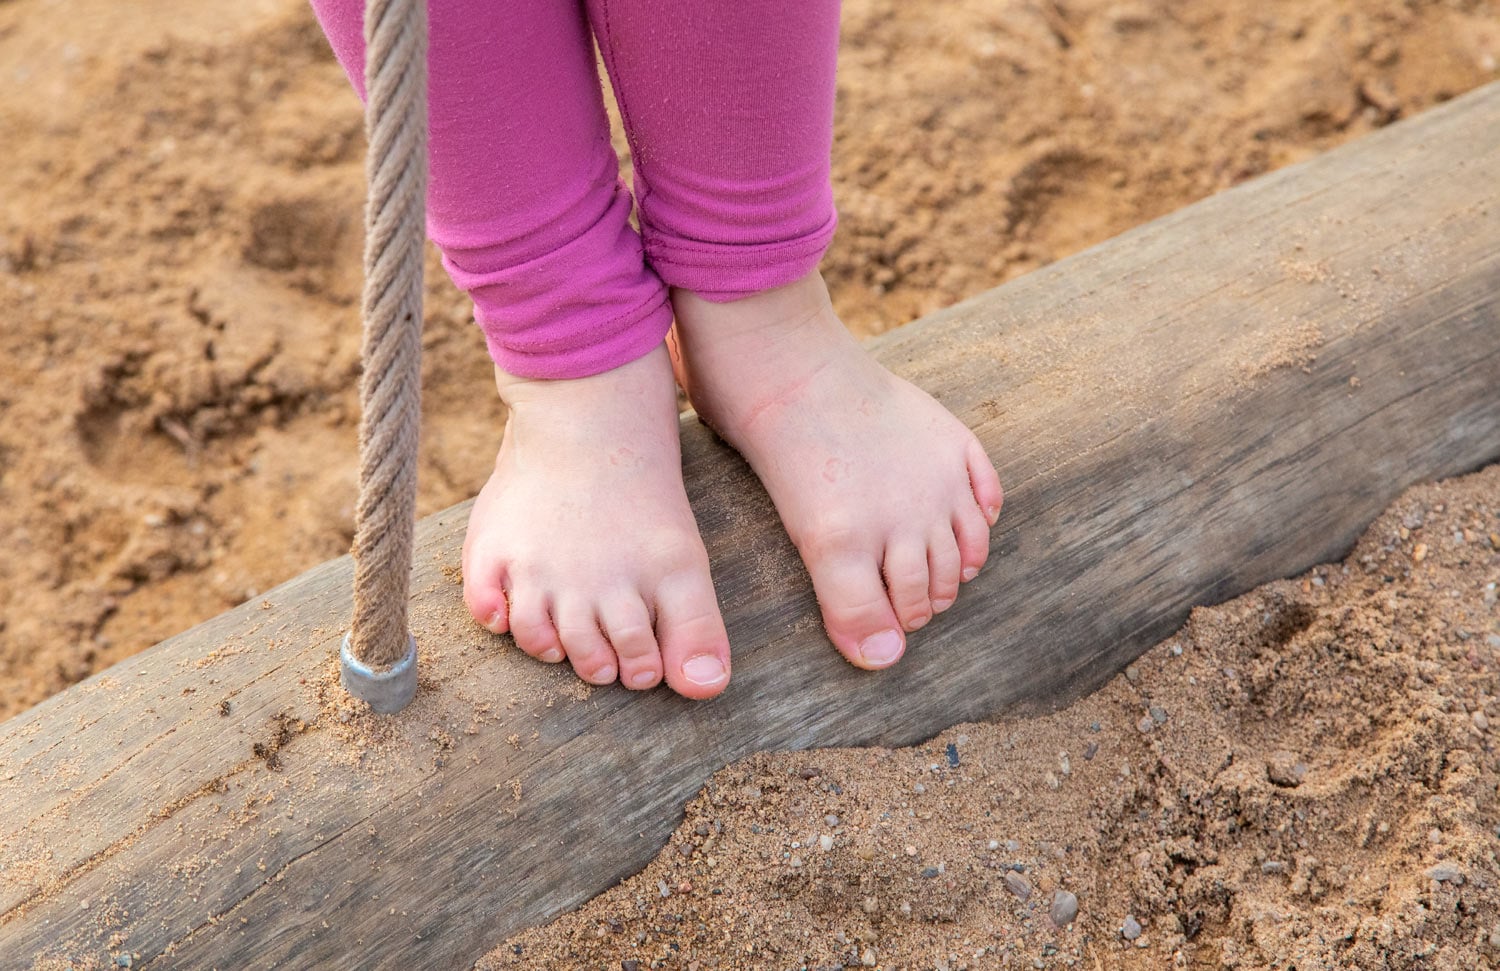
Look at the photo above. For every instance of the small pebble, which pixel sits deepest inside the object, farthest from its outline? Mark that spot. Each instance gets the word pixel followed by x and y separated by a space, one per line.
pixel 1158 715
pixel 630 964
pixel 1017 884
pixel 1051 780
pixel 1064 908
pixel 825 842
pixel 1272 866
pixel 811 772
pixel 1095 727
pixel 1090 750
pixel 1446 873
pixel 1435 836
pixel 1012 845
pixel 919 788
pixel 868 959
pixel 929 873
pixel 1481 721
pixel 796 862
pixel 911 850
pixel 952 753
pixel 1132 674
pixel 992 845
pixel 1145 724
pixel 831 819
pixel 122 961
pixel 1131 929
pixel 1285 769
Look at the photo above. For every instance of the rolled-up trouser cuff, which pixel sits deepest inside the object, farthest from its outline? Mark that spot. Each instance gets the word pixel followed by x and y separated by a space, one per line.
pixel 572 299
pixel 605 348
pixel 722 272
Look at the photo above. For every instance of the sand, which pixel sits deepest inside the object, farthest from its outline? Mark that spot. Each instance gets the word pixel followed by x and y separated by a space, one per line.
pixel 179 274
pixel 180 251
pixel 1305 777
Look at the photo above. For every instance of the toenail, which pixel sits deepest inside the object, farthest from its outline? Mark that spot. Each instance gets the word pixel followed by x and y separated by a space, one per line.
pixel 919 623
pixel 970 572
pixel 643 679
pixel 992 513
pixel 703 669
pixel 496 619
pixel 604 675
pixel 938 606
pixel 551 655
pixel 882 648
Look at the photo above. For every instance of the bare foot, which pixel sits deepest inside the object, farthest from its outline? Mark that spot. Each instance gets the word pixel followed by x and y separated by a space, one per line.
pixel 888 497
pixel 582 543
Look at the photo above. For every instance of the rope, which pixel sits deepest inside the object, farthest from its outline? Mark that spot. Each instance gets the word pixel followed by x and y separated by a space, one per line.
pixel 390 387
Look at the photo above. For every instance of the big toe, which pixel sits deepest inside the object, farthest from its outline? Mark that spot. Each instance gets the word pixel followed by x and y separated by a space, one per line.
pixel 857 610
pixel 690 630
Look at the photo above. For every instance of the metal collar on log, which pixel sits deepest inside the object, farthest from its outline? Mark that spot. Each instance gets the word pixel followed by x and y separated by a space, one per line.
pixel 378 660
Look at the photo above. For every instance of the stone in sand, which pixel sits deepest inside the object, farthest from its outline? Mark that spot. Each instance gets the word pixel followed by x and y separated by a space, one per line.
pixel 1446 873
pixel 1285 769
pixel 1064 908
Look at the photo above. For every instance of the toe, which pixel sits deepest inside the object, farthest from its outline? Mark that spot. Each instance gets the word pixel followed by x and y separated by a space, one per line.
pixel 906 580
pixel 857 610
pixel 944 564
pixel 627 625
pixel 484 592
pixel 972 533
pixel 694 644
pixel 531 625
pixel 984 481
pixel 589 652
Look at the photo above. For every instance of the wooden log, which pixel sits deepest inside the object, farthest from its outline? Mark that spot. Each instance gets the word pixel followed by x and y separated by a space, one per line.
pixel 1224 396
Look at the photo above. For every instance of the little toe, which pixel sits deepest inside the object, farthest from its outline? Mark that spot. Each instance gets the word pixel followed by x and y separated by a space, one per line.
pixel 907 581
pixel 531 625
pixel 857 610
pixel 972 534
pixel 690 631
pixel 484 593
pixel 589 652
pixel 984 481
pixel 944 565
pixel 627 625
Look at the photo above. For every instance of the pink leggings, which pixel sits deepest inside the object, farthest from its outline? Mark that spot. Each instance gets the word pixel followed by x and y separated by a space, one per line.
pixel 728 105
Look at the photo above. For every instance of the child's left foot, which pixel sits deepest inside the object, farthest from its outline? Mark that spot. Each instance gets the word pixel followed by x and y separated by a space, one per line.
pixel 888 497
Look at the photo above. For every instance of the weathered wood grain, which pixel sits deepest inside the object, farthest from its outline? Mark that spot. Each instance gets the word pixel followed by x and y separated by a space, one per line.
pixel 1223 396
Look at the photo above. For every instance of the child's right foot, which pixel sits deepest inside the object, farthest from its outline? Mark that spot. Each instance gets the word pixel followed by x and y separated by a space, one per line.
pixel 582 544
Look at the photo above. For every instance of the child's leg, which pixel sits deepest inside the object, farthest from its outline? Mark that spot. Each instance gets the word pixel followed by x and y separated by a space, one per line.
pixel 729 108
pixel 582 543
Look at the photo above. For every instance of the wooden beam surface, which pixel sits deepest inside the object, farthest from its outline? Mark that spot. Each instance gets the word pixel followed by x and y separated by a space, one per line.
pixel 1221 397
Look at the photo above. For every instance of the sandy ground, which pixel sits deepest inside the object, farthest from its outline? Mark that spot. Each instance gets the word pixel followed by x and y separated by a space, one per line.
pixel 179 271
pixel 1302 778
pixel 179 249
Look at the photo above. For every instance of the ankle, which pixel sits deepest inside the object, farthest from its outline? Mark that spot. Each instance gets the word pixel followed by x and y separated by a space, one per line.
pixel 646 382
pixel 790 307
